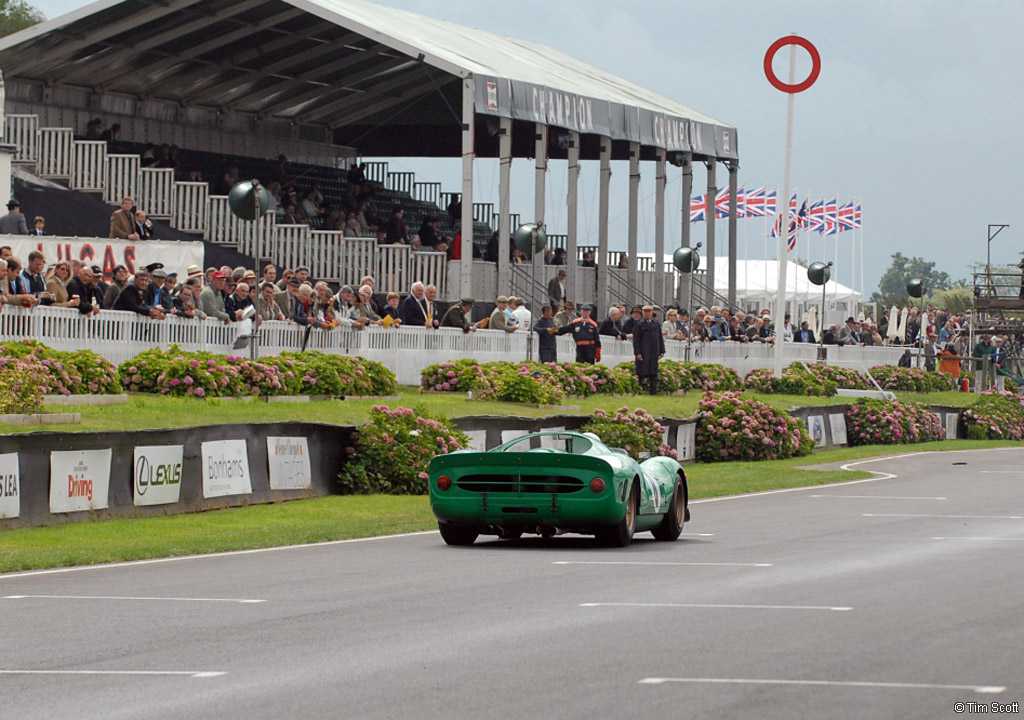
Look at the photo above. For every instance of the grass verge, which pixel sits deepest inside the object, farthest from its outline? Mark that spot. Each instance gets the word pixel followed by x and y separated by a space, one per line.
pixel 144 412
pixel 339 518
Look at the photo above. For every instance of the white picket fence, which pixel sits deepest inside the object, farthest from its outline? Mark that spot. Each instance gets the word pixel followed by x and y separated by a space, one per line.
pixel 119 336
pixel 22 131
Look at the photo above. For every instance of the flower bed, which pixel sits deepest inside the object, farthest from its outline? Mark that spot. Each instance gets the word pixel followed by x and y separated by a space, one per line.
pixel 176 372
pixel 732 428
pixel 995 416
pixel 554 382
pixel 814 379
pixel 892 377
pixel 635 431
pixel 880 422
pixel 393 450
pixel 81 372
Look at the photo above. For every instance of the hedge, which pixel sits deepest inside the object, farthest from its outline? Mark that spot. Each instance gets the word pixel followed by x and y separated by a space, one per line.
pixel 81 372
pixel 635 431
pixel 882 422
pixel 176 372
pixel 732 428
pixel 892 377
pixel 393 449
pixel 995 416
pixel 550 383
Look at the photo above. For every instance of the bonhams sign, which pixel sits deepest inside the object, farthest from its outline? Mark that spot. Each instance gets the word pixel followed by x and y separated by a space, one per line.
pixel 225 468
pixel 79 480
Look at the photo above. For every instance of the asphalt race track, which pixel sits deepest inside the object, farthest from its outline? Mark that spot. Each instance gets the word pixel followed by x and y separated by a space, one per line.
pixel 895 598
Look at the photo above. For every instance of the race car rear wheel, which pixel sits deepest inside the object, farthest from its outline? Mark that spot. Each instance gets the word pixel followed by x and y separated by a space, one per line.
pixel 672 526
pixel 458 534
pixel 621 534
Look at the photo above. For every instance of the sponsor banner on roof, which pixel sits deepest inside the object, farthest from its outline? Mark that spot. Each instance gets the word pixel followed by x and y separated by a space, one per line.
pixel 288 458
pixel 157 474
pixel 225 468
pixel 108 254
pixel 79 480
pixel 539 104
pixel 10 486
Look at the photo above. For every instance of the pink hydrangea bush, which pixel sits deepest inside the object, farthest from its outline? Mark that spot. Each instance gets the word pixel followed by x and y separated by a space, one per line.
pixel 22 381
pixel 393 449
pixel 81 372
pixel 881 422
pixel 635 431
pixel 732 428
pixel 892 377
pixel 995 416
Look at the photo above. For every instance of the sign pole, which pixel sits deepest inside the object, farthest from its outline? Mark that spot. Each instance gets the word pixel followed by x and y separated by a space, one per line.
pixel 783 222
pixel 791 88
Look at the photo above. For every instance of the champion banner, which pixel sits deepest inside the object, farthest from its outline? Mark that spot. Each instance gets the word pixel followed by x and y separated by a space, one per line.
pixel 108 254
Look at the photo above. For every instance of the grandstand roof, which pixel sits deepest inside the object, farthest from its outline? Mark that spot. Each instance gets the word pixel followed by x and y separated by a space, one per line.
pixel 350 65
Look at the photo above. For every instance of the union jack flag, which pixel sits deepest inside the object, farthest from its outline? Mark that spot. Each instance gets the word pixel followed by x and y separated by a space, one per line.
pixel 770 203
pixel 857 213
pixel 698 208
pixel 796 221
pixel 741 203
pixel 815 217
pixel 722 203
pixel 831 217
pixel 754 203
pixel 845 217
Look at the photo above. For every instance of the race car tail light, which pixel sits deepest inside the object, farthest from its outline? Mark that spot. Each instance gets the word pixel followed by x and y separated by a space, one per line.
pixel 444 482
pixel 597 485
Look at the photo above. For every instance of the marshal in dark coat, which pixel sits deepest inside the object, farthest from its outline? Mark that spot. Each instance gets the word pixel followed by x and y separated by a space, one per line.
pixel 649 347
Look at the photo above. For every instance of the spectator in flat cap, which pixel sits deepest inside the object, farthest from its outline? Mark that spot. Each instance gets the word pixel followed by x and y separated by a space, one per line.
pixel 499 319
pixel 236 303
pixel 157 294
pixel 13 223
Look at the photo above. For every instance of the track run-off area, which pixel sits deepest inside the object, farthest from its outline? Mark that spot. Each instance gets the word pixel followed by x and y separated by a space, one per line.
pixel 893 597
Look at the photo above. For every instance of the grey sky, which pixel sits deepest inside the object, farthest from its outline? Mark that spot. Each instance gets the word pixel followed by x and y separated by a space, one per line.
pixel 915 113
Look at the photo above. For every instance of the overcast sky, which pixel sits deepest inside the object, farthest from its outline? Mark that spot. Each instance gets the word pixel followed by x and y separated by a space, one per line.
pixel 917 112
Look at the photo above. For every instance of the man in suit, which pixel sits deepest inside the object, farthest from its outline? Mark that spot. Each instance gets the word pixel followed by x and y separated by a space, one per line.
pixel 32 276
pixel 415 310
pixel 133 297
pixel 849 334
pixel 649 348
pixel 88 292
pixel 38 226
pixel 13 223
pixel 122 221
pixel 156 294
pixel 804 334
pixel 556 289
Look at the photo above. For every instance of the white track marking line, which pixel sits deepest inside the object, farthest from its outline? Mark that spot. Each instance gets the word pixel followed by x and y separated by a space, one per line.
pixel 716 606
pixel 157 673
pixel 241 601
pixel 879 475
pixel 983 689
pixel 697 535
pixel 233 553
pixel 978 537
pixel 227 553
pixel 879 497
pixel 658 563
pixel 943 517
pixel 1001 472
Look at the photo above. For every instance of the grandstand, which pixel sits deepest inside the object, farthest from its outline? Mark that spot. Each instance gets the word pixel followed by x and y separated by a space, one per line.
pixel 325 82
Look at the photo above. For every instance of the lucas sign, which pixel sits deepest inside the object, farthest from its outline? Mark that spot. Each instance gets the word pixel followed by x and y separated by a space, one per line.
pixel 10 487
pixel 225 469
pixel 157 474
pixel 289 463
pixel 79 480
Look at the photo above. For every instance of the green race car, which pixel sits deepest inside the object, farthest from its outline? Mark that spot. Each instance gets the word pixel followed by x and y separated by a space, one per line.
pixel 551 482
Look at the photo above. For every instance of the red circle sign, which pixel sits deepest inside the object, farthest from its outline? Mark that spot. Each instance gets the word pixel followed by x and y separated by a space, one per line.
pixel 769 57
